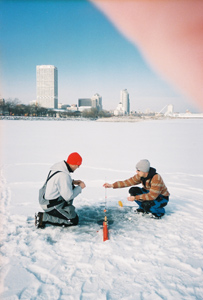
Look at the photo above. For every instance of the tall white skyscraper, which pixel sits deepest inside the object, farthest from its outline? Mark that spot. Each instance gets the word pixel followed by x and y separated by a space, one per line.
pixel 47 86
pixel 124 99
pixel 123 107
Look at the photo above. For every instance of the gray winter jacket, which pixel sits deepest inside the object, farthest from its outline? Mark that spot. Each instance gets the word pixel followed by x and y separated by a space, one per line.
pixel 59 187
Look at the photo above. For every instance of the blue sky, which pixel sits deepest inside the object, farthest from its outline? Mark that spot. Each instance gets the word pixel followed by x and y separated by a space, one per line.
pixel 90 54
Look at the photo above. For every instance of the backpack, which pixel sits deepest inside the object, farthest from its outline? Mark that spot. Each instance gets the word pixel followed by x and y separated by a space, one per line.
pixel 42 191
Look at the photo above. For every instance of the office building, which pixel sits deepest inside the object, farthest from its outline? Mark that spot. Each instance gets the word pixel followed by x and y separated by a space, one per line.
pixel 47 86
pixel 123 107
pixel 88 103
pixel 97 101
pixel 170 110
pixel 124 99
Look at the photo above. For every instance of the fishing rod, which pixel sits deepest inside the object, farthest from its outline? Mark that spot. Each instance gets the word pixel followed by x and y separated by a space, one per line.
pixel 105 222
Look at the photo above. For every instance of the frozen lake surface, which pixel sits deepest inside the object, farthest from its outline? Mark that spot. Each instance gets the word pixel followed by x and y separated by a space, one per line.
pixel 143 258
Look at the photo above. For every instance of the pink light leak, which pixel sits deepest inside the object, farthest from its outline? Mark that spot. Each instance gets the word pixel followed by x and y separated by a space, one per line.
pixel 169 34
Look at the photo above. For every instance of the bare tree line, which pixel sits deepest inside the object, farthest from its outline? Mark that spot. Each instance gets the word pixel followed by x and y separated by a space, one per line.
pixel 11 107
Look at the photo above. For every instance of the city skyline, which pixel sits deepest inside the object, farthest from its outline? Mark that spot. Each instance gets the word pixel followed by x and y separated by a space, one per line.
pixel 90 54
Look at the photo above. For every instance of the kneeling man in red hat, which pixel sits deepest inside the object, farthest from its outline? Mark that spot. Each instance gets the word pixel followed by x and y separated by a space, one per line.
pixel 57 194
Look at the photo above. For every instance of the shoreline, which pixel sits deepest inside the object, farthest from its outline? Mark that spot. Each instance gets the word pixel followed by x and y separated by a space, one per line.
pixel 110 119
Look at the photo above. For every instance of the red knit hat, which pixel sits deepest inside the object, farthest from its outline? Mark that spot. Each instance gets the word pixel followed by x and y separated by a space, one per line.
pixel 74 159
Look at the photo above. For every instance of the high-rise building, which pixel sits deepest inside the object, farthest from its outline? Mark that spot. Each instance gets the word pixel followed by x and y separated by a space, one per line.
pixel 123 107
pixel 124 99
pixel 47 86
pixel 97 101
pixel 170 110
pixel 88 103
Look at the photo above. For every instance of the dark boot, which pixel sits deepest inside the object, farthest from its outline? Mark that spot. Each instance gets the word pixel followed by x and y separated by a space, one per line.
pixel 157 216
pixel 139 210
pixel 39 220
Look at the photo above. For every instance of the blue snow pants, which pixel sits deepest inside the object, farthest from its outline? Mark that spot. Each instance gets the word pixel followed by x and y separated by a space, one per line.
pixel 156 206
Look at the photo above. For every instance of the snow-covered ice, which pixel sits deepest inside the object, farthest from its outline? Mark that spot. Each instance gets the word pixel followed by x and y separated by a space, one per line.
pixel 144 258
